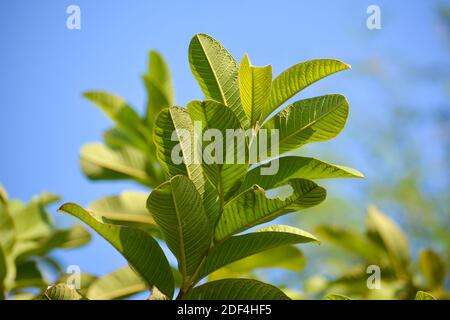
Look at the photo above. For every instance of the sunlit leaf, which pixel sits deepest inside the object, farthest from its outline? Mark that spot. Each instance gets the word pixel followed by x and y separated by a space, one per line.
pixel 158 83
pixel 174 129
pixel 422 295
pixel 126 208
pixel 214 115
pixel 283 258
pixel 177 208
pixel 296 78
pixel 61 292
pixel 239 247
pixel 217 73
pixel 335 296
pixel 118 284
pixel 118 111
pixel 236 289
pixel 254 84
pixel 99 162
pixel 310 120
pixel 142 251
pixel 293 167
pixel 253 207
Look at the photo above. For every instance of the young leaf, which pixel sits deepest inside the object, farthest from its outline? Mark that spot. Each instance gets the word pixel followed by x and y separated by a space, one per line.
pixel 177 208
pixel 252 207
pixel 216 116
pixel 432 267
pixel 236 289
pixel 217 73
pixel 293 167
pixel 239 247
pixel 61 292
pixel 142 251
pixel 119 284
pixel 158 83
pixel 296 78
pixel 310 120
pixel 254 85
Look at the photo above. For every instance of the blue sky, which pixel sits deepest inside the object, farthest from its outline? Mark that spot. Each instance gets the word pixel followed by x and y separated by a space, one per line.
pixel 44 68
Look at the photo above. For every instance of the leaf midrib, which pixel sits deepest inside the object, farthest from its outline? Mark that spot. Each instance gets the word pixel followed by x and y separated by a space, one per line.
pixel 311 123
pixel 213 72
pixel 264 218
pixel 183 268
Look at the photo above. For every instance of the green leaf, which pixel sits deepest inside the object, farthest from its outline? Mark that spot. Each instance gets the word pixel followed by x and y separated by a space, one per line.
pixel 174 131
pixel 254 85
pixel 236 289
pixel 74 237
pixel 61 292
pixel 217 73
pixel 7 272
pixel 252 207
pixel 3 271
pixel 284 257
pixel 177 208
pixel 99 162
pixel 293 167
pixel 158 83
pixel 239 247
pixel 310 120
pixel 119 284
pixel 3 195
pixel 7 232
pixel 116 138
pixel 214 115
pixel 127 208
pixel 335 296
pixel 296 78
pixel 117 110
pixel 86 279
pixel 28 275
pixel 432 267
pixel 388 234
pixel 142 251
pixel 352 241
pixel 422 295
pixel 31 221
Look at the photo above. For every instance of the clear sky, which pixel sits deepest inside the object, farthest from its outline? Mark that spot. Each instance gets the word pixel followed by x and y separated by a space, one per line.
pixel 44 67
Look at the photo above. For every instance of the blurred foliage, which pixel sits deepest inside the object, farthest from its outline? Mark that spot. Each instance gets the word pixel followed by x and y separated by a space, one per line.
pixel 384 245
pixel 27 238
pixel 406 150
